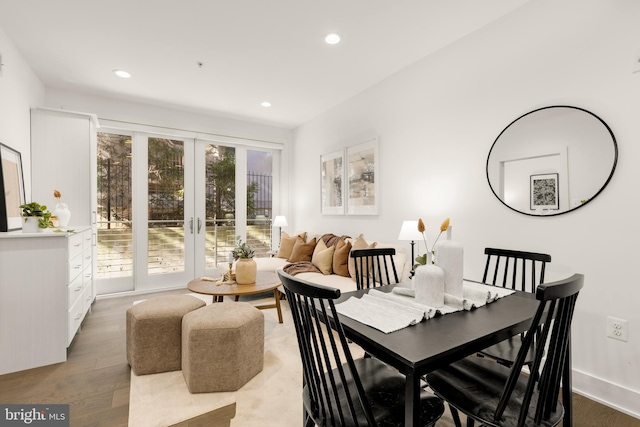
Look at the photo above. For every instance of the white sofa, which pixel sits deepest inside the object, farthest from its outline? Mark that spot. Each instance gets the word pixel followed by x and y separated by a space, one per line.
pixel 345 284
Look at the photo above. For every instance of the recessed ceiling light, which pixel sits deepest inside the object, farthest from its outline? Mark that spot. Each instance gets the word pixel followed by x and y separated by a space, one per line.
pixel 332 38
pixel 265 104
pixel 122 73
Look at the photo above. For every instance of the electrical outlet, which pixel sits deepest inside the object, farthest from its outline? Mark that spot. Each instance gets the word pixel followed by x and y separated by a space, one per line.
pixel 618 329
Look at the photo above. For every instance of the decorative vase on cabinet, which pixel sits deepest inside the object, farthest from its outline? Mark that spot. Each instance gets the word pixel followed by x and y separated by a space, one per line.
pixel 63 213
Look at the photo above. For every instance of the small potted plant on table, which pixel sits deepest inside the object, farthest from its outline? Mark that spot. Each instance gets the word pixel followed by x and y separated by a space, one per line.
pixel 246 268
pixel 36 217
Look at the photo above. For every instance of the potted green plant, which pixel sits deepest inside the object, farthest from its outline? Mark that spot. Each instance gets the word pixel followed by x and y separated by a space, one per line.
pixel 246 268
pixel 36 217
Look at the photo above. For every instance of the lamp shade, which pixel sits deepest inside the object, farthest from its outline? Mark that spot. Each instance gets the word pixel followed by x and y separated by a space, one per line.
pixel 280 221
pixel 409 231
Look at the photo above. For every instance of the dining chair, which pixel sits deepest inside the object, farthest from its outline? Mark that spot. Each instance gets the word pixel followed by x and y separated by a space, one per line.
pixel 496 395
pixel 518 270
pixel 338 390
pixel 374 267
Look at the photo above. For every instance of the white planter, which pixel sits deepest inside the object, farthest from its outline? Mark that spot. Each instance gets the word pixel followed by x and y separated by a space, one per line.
pixel 30 224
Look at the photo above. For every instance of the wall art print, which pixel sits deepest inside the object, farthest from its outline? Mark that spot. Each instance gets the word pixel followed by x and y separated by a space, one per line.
pixel 12 187
pixel 362 190
pixel 544 192
pixel 332 183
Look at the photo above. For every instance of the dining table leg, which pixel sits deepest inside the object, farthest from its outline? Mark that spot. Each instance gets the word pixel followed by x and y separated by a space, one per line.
pixel 412 400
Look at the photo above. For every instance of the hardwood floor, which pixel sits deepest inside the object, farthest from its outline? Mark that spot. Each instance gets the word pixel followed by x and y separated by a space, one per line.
pixel 95 379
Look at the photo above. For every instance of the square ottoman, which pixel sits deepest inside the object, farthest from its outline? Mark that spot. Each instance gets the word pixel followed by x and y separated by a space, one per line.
pixel 222 346
pixel 154 333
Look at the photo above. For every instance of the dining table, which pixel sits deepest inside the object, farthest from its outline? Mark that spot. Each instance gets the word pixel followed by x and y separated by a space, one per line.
pixel 434 343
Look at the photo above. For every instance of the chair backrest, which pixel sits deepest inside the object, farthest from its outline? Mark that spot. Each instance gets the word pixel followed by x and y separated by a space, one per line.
pixel 326 359
pixel 554 315
pixel 374 267
pixel 522 271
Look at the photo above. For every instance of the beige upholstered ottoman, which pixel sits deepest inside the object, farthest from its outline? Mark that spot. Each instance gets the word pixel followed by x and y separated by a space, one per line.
pixel 222 346
pixel 154 333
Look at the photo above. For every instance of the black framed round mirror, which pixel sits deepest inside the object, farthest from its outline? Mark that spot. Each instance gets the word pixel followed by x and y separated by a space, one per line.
pixel 552 160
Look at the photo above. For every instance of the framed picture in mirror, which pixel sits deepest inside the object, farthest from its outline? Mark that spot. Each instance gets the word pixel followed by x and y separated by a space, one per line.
pixel 12 187
pixel 544 192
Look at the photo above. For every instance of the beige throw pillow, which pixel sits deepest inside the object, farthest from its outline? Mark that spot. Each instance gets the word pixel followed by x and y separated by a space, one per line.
pixel 302 251
pixel 341 258
pixel 323 257
pixel 359 243
pixel 287 243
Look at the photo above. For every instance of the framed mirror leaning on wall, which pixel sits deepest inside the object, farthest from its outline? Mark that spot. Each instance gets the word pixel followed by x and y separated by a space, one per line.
pixel 552 160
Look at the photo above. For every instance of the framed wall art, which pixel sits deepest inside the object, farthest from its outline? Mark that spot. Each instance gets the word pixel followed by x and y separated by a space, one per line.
pixel 362 184
pixel 12 186
pixel 332 183
pixel 544 192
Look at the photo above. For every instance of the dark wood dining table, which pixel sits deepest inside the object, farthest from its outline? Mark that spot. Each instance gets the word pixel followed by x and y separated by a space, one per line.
pixel 418 349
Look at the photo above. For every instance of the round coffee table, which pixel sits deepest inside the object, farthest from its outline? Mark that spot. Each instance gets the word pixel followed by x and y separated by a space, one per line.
pixel 265 281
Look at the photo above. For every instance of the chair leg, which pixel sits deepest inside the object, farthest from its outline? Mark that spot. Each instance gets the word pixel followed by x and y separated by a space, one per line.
pixel 455 416
pixel 470 422
pixel 307 420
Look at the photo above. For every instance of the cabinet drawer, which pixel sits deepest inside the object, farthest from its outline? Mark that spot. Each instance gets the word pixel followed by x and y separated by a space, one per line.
pixel 87 276
pixel 75 245
pixel 74 290
pixel 87 299
pixel 74 319
pixel 87 258
pixel 75 267
pixel 87 240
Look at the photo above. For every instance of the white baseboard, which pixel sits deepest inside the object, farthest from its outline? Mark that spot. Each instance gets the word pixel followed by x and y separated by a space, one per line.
pixel 613 395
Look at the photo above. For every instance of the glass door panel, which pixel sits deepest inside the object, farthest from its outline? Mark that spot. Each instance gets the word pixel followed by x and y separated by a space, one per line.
pixel 114 213
pixel 259 201
pixel 166 209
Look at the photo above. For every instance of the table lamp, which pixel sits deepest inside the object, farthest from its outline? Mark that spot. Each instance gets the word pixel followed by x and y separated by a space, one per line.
pixel 280 221
pixel 409 231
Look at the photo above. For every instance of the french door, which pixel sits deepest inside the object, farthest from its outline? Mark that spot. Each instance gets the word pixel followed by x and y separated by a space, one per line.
pixel 176 210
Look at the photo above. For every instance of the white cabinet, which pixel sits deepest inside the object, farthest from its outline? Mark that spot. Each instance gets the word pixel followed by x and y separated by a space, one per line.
pixel 63 158
pixel 46 290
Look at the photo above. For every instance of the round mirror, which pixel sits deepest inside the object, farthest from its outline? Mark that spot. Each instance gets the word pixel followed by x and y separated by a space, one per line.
pixel 552 160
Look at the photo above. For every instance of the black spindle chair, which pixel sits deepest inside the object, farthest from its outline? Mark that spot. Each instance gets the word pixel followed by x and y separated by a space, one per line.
pixel 338 390
pixel 496 395
pixel 374 267
pixel 522 271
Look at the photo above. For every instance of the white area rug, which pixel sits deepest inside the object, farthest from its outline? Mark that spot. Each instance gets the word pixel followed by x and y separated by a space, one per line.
pixel 272 398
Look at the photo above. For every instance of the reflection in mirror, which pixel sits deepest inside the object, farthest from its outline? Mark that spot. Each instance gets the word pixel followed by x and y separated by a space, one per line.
pixel 552 160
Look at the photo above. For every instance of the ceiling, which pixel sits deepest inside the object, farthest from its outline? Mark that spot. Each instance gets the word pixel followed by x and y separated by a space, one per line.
pixel 250 50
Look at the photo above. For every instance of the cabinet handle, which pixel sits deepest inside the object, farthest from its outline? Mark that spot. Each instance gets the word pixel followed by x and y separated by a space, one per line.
pixel 77 267
pixel 78 244
pixel 199 225
pixel 78 316
pixel 77 289
pixel 191 225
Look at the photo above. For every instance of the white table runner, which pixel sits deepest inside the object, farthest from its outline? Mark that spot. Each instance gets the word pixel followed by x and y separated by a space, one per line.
pixel 392 311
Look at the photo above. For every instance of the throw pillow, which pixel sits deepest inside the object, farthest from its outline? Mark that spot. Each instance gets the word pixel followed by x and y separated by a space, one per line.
pixel 302 251
pixel 323 257
pixel 359 243
pixel 287 243
pixel 341 258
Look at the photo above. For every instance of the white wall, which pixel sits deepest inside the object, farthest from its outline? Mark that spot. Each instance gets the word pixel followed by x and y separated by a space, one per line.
pixel 20 89
pixel 436 121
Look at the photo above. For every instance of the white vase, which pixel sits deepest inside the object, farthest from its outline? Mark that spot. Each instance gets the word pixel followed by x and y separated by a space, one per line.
pixel 63 213
pixel 30 224
pixel 449 256
pixel 429 284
